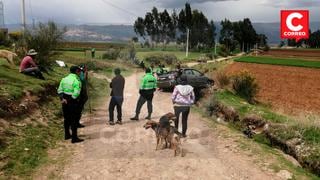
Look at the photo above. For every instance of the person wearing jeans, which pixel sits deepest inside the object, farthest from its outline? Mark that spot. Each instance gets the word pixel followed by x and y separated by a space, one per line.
pixel 117 86
pixel 183 98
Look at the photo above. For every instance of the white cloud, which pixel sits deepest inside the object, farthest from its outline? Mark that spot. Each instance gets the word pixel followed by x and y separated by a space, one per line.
pixel 125 12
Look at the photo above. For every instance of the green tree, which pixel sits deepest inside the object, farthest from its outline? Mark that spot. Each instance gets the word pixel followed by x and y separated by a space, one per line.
pixel 314 39
pixel 165 26
pixel 262 40
pixel 188 16
pixel 149 25
pixel 44 39
pixel 156 24
pixel 201 36
pixel 139 27
pixel 227 35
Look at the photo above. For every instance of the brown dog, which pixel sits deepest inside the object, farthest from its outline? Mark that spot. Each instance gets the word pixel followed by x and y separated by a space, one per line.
pixel 8 55
pixel 176 145
pixel 161 133
pixel 165 132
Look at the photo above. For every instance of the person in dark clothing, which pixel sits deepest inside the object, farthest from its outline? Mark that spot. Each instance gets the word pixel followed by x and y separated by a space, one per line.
pixel 93 53
pixel 83 98
pixel 148 86
pixel 142 65
pixel 117 86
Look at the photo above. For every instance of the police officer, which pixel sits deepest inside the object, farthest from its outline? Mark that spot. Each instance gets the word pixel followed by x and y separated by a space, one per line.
pixel 148 86
pixel 69 92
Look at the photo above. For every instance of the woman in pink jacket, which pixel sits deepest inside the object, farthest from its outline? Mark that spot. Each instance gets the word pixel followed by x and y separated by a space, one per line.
pixel 183 98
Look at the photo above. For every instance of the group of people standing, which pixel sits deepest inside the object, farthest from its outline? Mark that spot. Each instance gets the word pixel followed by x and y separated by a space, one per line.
pixel 183 98
pixel 73 95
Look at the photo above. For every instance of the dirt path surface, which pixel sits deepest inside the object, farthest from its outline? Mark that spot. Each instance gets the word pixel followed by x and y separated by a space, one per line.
pixel 128 151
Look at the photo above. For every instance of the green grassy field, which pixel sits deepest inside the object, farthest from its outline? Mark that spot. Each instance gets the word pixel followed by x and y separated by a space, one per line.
pixel 179 54
pixel 279 61
pixel 14 84
pixel 81 54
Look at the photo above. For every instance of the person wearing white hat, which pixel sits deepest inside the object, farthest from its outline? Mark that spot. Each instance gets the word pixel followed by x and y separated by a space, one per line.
pixel 29 67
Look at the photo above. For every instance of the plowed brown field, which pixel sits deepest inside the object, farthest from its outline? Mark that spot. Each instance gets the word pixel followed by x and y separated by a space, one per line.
pixel 305 54
pixel 289 89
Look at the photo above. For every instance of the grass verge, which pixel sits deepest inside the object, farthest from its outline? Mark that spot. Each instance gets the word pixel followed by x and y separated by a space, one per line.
pixel 279 61
pixel 298 139
pixel 29 141
pixel 259 149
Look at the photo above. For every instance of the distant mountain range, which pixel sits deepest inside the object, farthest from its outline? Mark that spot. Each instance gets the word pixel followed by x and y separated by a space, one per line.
pixel 122 33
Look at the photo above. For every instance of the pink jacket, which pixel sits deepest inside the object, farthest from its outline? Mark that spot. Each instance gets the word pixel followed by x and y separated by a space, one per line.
pixel 27 62
pixel 183 95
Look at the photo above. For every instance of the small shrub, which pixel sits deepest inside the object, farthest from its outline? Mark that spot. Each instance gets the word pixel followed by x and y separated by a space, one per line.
pixel 209 55
pixel 111 54
pixel 211 106
pixel 203 59
pixel 15 36
pixel 266 48
pixel 4 39
pixel 168 59
pixel 44 39
pixel 223 79
pixel 245 85
pixel 128 54
pixel 224 51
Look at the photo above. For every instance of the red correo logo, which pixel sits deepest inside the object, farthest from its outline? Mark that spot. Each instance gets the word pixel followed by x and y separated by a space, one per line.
pixel 295 24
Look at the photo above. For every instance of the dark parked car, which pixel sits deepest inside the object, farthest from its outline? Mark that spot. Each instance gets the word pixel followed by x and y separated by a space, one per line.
pixel 195 78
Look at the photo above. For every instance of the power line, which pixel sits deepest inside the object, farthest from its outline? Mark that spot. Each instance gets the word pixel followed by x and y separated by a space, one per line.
pixel 117 7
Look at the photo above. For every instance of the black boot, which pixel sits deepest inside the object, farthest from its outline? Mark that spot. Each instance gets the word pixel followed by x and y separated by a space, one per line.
pixel 148 117
pixel 75 138
pixel 135 118
pixel 67 134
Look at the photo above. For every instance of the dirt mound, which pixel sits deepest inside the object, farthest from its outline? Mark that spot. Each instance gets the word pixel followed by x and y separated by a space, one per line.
pixel 290 89
pixel 15 108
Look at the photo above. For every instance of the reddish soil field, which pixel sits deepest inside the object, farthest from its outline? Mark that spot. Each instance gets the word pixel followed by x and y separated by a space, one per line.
pixel 309 54
pixel 289 89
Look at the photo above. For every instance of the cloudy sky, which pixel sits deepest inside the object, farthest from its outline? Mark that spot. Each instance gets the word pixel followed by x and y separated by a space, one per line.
pixel 126 11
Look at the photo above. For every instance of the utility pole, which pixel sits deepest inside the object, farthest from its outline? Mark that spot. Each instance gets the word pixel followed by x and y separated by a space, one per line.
pixel 33 23
pixel 215 47
pixel 187 48
pixel 23 16
pixel 1 15
pixel 242 46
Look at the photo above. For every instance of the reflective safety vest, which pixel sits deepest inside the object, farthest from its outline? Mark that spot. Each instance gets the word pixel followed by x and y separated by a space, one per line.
pixel 70 85
pixel 148 82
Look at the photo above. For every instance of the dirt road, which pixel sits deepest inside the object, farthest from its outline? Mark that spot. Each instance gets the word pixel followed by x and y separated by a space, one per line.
pixel 128 151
